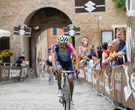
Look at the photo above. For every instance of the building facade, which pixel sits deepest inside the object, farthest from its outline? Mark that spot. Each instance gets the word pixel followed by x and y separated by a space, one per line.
pixel 57 14
pixel 45 42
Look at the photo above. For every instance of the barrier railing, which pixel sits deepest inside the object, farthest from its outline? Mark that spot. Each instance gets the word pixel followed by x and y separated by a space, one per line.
pixel 12 73
pixel 117 83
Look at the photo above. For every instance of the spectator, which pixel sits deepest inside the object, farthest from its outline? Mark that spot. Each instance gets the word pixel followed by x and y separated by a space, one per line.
pixel 120 53
pixel 25 63
pixel 115 46
pixel 105 54
pixel 80 59
pixel 0 61
pixel 111 49
pixel 98 62
pixel 85 52
pixel 121 32
pixel 92 51
pixel 42 67
pixel 49 62
pixel 74 62
pixel 19 61
pixel 123 51
pixel 91 61
pixel 23 54
pixel 85 56
pixel 40 63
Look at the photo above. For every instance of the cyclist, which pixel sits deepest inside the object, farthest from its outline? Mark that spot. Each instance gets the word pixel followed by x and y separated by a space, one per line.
pixel 49 68
pixel 61 59
pixel 49 62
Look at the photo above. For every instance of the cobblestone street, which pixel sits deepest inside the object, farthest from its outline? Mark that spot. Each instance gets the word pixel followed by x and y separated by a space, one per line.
pixel 37 94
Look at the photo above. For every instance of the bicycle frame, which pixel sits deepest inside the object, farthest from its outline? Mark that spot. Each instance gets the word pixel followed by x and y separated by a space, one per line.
pixel 65 99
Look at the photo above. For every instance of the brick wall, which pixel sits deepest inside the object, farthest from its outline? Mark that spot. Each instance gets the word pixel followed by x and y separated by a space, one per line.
pixel 16 12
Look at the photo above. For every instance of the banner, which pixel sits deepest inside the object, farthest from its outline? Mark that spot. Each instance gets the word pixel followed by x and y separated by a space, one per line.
pixel 82 76
pixel 88 72
pixel 118 83
pixel 107 76
pixel 24 72
pixel 129 86
pixel 12 73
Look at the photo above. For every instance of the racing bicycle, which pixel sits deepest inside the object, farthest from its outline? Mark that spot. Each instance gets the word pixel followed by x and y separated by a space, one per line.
pixel 65 99
pixel 51 79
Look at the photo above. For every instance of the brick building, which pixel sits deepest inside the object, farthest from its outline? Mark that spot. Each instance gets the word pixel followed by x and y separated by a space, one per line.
pixel 57 14
pixel 45 42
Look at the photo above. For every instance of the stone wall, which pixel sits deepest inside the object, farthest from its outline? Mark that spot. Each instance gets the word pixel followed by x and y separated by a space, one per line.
pixel 16 12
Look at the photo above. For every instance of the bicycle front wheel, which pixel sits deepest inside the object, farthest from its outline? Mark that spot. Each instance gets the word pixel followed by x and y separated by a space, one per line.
pixel 67 96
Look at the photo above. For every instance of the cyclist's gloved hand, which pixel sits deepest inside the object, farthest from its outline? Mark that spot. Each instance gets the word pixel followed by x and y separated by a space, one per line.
pixel 77 70
pixel 55 72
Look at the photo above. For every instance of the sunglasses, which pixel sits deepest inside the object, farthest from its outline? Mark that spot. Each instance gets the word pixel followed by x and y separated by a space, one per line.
pixel 62 44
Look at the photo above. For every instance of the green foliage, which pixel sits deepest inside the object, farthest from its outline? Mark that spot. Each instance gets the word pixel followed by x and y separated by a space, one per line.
pixel 70 40
pixel 119 4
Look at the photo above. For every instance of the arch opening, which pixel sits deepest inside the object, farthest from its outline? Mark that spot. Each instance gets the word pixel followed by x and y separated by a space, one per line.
pixel 41 20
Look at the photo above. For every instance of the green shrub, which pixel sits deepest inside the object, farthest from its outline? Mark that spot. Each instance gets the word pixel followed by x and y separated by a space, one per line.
pixel 120 4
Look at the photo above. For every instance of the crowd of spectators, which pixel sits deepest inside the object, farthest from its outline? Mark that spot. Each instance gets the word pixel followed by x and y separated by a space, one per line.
pixel 107 54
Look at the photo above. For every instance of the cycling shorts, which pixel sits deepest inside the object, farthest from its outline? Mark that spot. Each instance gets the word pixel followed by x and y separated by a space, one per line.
pixel 66 66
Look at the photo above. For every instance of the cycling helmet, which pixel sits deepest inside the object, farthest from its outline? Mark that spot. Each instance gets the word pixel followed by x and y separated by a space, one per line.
pixel 50 58
pixel 62 39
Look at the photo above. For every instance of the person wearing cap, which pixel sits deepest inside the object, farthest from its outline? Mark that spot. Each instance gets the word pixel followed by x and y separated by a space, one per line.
pixel 61 59
pixel 19 61
pixel 23 54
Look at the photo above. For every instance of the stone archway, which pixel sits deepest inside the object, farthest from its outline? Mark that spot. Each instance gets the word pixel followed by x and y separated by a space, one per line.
pixel 44 18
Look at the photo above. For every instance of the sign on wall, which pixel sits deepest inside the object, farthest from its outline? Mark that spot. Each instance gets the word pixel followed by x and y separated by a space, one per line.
pixel 89 6
pixel 71 30
pixel 85 41
pixel 22 30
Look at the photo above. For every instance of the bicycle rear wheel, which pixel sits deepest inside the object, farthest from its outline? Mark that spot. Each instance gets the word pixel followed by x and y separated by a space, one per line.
pixel 67 96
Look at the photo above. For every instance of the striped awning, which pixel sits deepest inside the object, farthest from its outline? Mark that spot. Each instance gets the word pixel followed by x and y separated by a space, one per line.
pixel 4 33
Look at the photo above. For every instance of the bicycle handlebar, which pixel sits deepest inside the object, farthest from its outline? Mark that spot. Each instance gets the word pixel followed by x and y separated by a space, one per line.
pixel 66 71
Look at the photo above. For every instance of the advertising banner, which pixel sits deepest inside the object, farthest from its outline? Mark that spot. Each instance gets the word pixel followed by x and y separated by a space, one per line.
pixel 12 73
pixel 82 76
pixel 118 83
pixel 129 86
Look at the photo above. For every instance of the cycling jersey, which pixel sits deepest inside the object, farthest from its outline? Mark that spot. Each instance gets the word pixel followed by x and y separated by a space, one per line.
pixel 68 51
pixel 64 61
pixel 48 63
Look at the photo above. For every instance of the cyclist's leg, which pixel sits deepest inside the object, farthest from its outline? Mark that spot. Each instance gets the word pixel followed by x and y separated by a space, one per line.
pixel 71 84
pixel 70 79
pixel 59 68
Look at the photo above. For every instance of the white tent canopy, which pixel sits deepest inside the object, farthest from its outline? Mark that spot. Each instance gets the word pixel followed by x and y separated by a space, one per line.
pixel 4 33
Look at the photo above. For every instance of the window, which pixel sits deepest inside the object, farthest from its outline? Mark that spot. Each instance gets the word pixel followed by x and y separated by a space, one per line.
pixel 107 36
pixel 54 32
